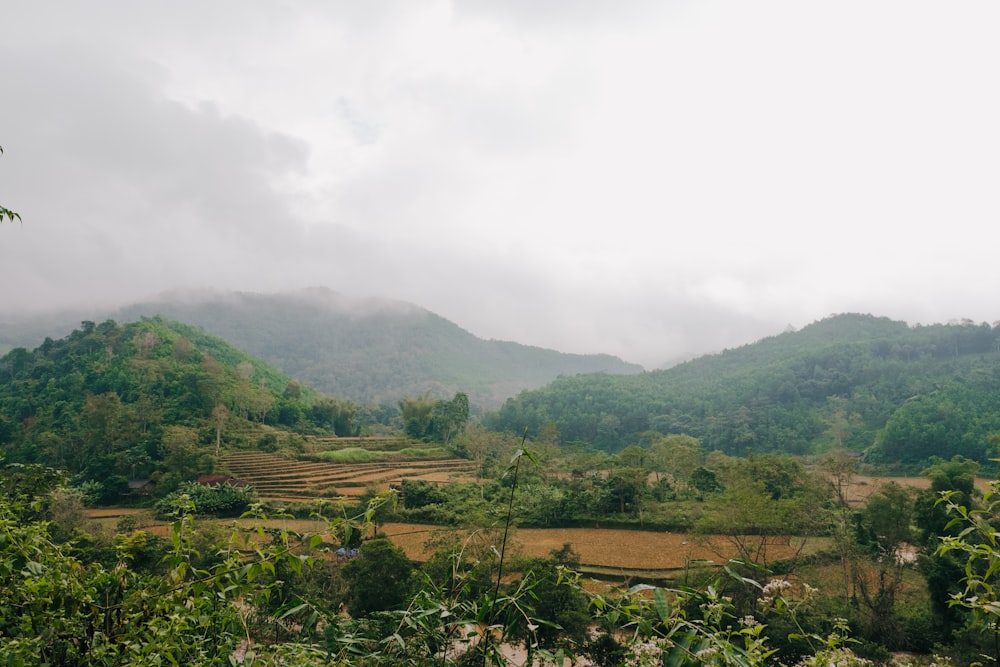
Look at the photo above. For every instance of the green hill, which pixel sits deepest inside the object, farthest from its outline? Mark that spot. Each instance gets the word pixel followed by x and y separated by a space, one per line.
pixel 150 399
pixel 900 393
pixel 373 351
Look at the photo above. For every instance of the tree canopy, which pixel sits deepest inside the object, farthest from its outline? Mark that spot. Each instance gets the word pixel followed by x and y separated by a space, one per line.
pixel 152 398
pixel 852 382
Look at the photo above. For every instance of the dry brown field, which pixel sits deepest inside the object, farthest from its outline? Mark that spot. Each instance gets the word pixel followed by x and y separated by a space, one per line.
pixel 604 550
pixel 609 548
pixel 861 487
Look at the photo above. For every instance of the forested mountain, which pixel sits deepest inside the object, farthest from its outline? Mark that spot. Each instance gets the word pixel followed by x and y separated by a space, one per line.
pixel 373 351
pixel 113 402
pixel 899 393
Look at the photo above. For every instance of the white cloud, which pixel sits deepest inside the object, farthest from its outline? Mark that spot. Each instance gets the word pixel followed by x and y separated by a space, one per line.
pixel 648 179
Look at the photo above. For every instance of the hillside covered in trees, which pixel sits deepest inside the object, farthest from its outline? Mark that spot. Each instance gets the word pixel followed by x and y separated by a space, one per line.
pixel 148 399
pixel 370 351
pixel 899 393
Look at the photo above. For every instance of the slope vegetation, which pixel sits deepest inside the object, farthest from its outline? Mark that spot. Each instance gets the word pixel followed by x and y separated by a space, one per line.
pixel 864 383
pixel 150 399
pixel 373 351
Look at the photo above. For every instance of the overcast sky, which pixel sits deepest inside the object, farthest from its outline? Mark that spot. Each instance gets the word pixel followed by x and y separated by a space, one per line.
pixel 650 179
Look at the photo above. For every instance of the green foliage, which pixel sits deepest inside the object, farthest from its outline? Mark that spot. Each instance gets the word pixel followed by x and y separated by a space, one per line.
pixel 429 453
pixel 380 578
pixel 149 399
pixel 351 455
pixel 941 569
pixel 220 500
pixel 335 415
pixel 59 610
pixel 418 493
pixel 440 421
pixel 886 522
pixel 976 541
pixel 269 597
pixel 375 352
pixel 28 486
pixel 555 595
pixel 844 382
pixel 705 481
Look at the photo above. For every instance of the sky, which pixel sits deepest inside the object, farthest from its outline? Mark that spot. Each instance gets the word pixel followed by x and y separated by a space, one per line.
pixel 654 180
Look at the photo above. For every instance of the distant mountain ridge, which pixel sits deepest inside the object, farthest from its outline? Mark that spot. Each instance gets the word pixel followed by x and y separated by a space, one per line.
pixel 371 350
pixel 869 384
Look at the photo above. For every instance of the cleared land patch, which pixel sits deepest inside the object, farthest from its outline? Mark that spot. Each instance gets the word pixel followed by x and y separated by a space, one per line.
pixel 613 551
pixel 861 487
pixel 286 480
pixel 604 553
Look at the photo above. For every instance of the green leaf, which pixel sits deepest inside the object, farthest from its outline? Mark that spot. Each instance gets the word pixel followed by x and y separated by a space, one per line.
pixel 662 604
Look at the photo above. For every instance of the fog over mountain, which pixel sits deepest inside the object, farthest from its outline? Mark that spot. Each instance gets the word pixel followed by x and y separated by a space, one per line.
pixel 653 180
pixel 369 350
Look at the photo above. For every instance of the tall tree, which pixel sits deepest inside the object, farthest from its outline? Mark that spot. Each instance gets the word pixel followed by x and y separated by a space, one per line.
pixel 448 418
pixel 416 414
pixel 219 415
pixel 886 532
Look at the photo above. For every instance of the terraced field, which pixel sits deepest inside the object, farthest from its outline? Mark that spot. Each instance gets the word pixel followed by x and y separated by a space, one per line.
pixel 284 480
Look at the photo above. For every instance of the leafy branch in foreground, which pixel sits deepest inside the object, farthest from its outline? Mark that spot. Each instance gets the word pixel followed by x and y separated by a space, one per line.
pixel 6 212
pixel 979 541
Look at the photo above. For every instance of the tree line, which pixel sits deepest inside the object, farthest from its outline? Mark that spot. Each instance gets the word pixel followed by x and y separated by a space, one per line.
pixel 898 393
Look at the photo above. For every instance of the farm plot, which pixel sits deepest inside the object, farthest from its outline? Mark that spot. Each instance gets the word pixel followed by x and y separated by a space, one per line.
pixel 612 553
pixel 608 554
pixel 285 480
pixel 860 487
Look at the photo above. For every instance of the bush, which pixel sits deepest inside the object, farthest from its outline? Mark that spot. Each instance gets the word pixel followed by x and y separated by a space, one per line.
pixel 126 523
pixel 220 501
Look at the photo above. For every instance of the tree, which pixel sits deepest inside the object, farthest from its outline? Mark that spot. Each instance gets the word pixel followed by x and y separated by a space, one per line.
pixel 885 528
pixel 336 415
pixel 416 415
pixel 677 456
pixel 448 418
pixel 181 456
pixel 219 415
pixel 102 417
pixel 704 481
pixel 6 212
pixel 627 491
pixel 379 578
pixel 942 571
pixel 557 599
pixel 633 456
pixel 427 419
pixel 769 503
pixel 839 467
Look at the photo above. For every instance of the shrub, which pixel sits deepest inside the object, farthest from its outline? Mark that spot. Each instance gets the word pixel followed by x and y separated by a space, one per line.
pixel 221 500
